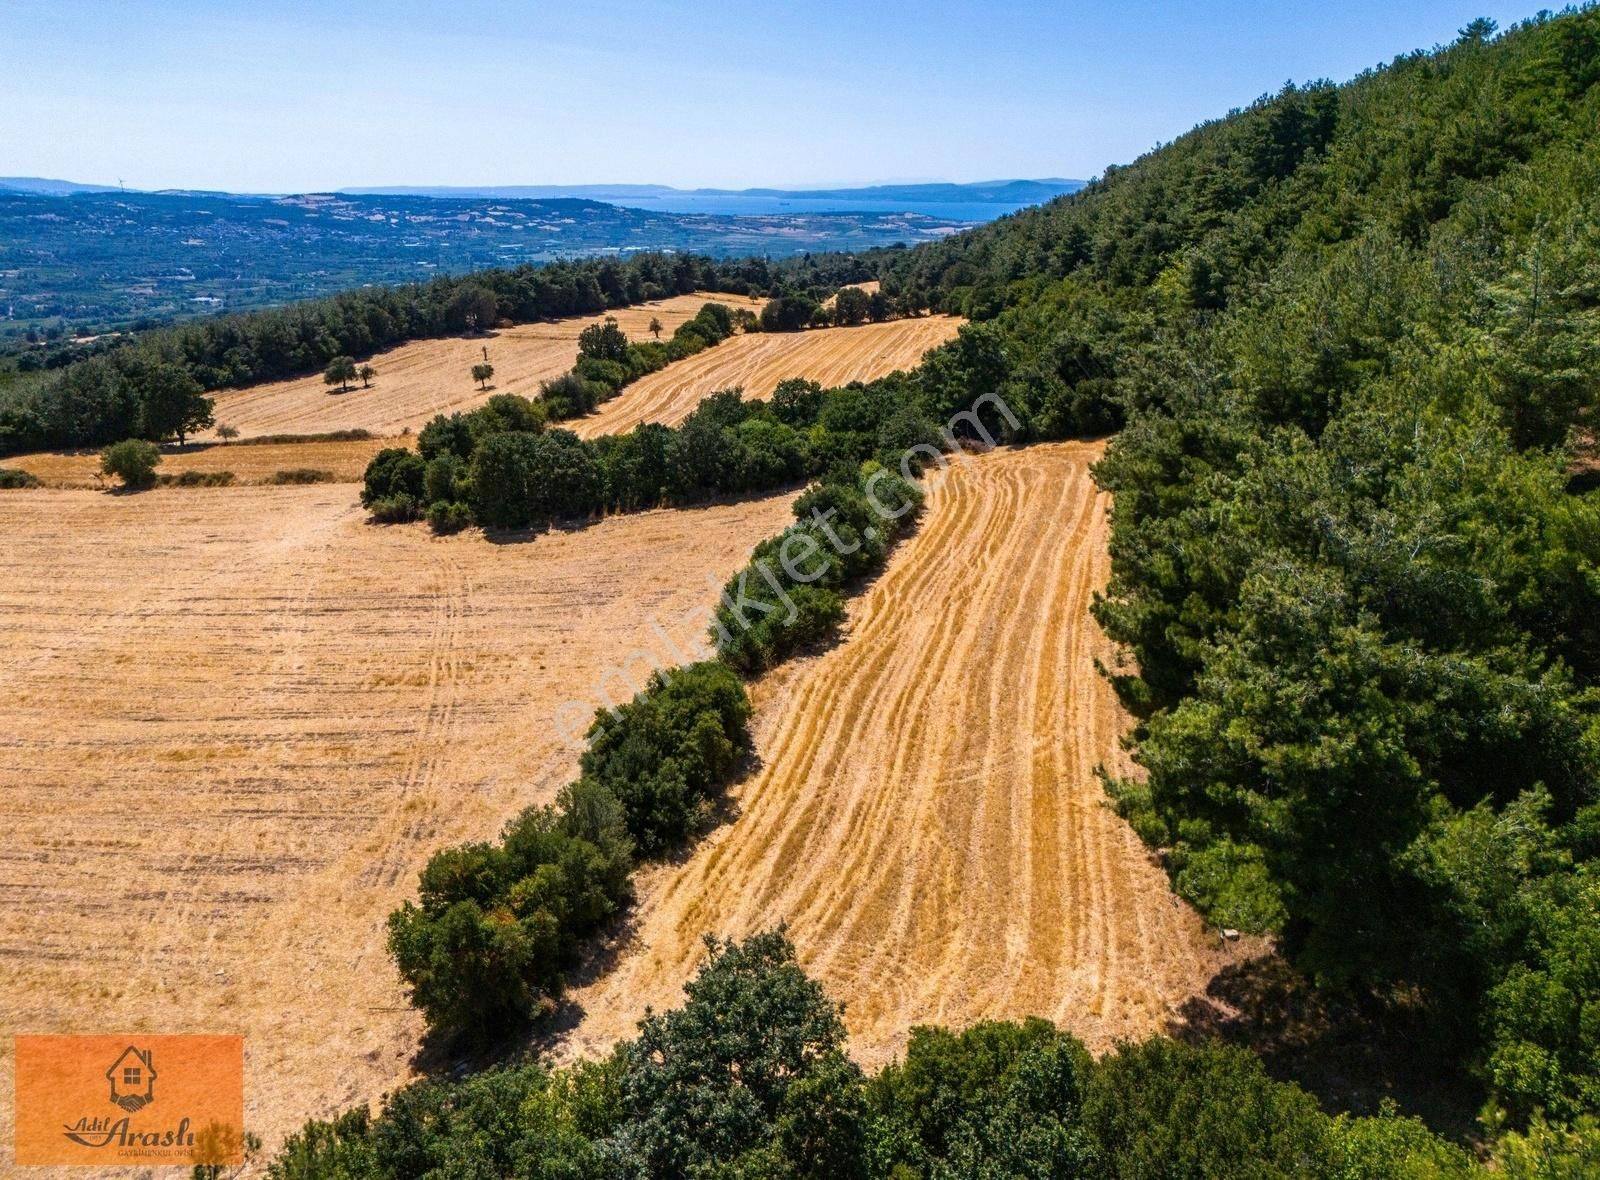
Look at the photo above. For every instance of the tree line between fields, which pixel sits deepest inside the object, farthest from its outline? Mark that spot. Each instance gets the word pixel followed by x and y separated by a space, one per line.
pixel 1351 339
pixel 504 466
pixel 153 385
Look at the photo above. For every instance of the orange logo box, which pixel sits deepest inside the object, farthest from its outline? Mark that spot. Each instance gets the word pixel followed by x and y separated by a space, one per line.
pixel 135 1099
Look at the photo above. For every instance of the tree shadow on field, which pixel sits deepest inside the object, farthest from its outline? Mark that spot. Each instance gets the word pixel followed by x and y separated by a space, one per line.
pixel 531 533
pixel 454 1055
pixel 1351 1052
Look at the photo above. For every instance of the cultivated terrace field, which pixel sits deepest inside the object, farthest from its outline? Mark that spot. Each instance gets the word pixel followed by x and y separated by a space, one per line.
pixel 426 377
pixel 236 723
pixel 340 461
pixel 927 819
pixel 757 362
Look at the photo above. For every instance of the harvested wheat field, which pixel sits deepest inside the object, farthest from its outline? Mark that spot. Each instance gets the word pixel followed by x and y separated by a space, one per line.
pixel 344 461
pixel 757 362
pixel 238 721
pixel 927 819
pixel 871 287
pixel 426 377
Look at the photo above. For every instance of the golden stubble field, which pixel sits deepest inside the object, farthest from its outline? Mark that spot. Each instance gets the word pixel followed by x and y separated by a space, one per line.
pixel 251 463
pixel 757 362
pixel 927 818
pixel 426 377
pixel 237 721
pixel 404 395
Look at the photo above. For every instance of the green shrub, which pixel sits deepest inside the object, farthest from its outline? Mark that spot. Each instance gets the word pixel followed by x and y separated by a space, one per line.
pixel 506 413
pixel 15 477
pixel 398 509
pixel 197 479
pixel 263 440
pixel 451 435
pixel 499 477
pixel 788 313
pixel 444 478
pixel 1163 1108
pixel 571 396
pixel 669 751
pixel 393 473
pixel 484 947
pixel 1009 1096
pixel 292 475
pixel 133 461
pixel 613 374
pixel 448 516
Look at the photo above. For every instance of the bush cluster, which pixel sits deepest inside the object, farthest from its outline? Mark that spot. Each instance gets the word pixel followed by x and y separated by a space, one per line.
pixel 750 1078
pixel 197 479
pixel 288 475
pixel 789 596
pixel 133 461
pixel 484 947
pixel 511 470
pixel 15 477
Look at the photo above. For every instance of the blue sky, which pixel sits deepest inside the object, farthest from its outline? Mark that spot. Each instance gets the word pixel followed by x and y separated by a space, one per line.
pixel 291 95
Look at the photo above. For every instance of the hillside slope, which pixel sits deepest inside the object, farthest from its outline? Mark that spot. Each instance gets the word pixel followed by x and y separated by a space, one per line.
pixel 1354 336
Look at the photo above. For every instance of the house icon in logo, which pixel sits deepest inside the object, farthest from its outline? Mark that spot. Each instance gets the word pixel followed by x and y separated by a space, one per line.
pixel 132 1079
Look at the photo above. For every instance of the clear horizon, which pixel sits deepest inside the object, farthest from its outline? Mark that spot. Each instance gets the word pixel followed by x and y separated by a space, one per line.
pixel 288 96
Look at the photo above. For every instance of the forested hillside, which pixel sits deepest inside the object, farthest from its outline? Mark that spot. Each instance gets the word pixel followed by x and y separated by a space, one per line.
pixel 1352 338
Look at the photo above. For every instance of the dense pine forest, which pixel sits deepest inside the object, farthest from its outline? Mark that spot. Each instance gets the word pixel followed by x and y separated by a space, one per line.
pixel 1348 342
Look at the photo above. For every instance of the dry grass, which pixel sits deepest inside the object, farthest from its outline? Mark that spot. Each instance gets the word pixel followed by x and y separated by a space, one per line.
pixel 251 464
pixel 235 724
pixel 927 819
pixel 428 377
pixel 870 288
pixel 831 356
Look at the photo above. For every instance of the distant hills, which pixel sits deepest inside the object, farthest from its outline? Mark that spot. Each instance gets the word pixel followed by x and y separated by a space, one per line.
pixel 106 259
pixel 96 256
pixel 997 192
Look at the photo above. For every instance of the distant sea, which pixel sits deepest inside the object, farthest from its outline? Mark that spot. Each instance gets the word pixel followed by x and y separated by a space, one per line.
pixel 744 206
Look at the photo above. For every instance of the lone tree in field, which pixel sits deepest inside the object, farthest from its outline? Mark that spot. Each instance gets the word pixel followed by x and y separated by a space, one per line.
pixel 341 371
pixel 655 327
pixel 482 373
pixel 133 461
pixel 366 373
